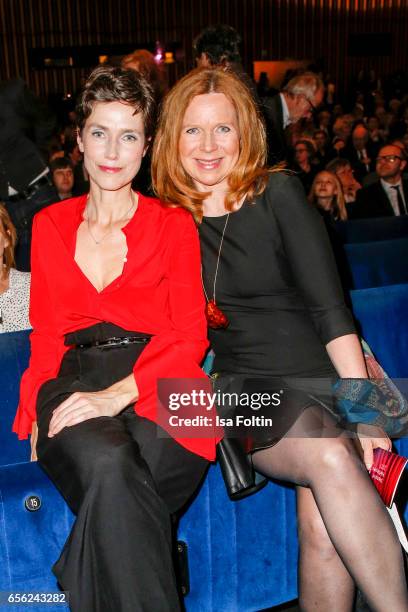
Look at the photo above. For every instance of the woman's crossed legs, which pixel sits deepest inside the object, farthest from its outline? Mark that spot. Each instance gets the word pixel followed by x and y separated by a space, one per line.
pixel 345 532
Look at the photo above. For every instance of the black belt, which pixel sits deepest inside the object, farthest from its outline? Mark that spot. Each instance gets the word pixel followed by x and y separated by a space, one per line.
pixel 30 190
pixel 113 342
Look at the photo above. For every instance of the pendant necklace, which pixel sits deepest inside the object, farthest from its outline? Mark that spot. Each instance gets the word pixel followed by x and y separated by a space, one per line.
pixel 110 231
pixel 216 319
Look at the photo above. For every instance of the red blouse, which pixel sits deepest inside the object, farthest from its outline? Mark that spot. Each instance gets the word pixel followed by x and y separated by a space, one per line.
pixel 159 292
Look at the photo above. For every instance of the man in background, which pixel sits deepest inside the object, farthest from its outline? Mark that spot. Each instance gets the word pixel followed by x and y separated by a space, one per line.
pixel 62 174
pixel 342 169
pixel 299 99
pixel 388 196
pixel 360 152
pixel 25 184
pixel 219 46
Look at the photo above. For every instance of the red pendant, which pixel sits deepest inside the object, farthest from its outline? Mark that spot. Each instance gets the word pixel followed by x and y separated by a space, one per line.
pixel 216 319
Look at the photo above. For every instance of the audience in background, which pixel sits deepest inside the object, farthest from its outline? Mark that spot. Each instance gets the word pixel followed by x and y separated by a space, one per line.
pixel 153 71
pixel 342 169
pixel 26 130
pixel 360 152
pixel 311 124
pixel 71 150
pixel 304 164
pixel 299 99
pixel 376 135
pixel 62 174
pixel 388 196
pixel 324 150
pixel 345 128
pixel 74 155
pixel 219 45
pixel 144 62
pixel 324 122
pixel 342 128
pixel 327 196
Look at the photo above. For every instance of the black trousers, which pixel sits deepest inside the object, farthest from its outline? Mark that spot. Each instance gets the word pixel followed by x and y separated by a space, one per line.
pixel 122 481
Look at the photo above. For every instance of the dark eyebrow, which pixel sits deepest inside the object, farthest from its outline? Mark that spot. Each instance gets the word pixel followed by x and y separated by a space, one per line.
pixel 103 127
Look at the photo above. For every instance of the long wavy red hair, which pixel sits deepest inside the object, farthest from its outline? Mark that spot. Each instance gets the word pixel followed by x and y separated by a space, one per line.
pixel 248 178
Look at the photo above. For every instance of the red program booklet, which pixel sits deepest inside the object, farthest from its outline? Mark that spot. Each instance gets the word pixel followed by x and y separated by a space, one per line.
pixel 386 473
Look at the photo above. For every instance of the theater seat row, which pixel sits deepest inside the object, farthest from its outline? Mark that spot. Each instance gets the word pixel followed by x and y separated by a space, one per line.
pixel 241 556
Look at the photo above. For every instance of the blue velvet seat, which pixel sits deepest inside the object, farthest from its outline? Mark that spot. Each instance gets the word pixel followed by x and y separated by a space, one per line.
pixel 30 541
pixel 367 230
pixel 14 355
pixel 242 555
pixel 376 264
pixel 382 316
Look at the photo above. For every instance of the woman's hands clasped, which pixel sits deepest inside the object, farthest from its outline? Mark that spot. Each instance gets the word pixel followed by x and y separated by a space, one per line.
pixel 81 406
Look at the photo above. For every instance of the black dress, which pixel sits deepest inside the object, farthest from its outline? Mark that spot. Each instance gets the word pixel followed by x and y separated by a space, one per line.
pixel 277 283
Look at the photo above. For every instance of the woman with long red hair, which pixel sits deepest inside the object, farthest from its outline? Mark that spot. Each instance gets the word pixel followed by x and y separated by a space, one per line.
pixel 277 321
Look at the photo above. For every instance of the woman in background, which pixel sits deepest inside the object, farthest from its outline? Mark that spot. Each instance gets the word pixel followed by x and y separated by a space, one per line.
pixel 145 64
pixel 14 285
pixel 277 320
pixel 304 167
pixel 326 195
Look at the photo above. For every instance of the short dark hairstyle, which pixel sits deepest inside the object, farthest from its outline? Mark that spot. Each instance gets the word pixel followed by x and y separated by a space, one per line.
pixel 114 84
pixel 309 144
pixel 60 163
pixel 220 43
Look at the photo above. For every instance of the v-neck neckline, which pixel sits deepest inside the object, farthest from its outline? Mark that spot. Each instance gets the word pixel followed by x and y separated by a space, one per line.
pixel 79 219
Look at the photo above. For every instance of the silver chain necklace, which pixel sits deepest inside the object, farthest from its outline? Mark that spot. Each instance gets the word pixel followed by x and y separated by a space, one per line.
pixel 108 232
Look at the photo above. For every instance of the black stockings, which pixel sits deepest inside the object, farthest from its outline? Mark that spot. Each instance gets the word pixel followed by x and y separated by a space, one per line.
pixel 345 532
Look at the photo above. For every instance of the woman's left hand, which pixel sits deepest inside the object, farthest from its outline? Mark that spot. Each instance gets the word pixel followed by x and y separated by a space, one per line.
pixel 371 437
pixel 81 406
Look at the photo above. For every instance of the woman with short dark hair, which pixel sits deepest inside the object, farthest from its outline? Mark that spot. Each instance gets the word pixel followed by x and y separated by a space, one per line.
pixel 116 304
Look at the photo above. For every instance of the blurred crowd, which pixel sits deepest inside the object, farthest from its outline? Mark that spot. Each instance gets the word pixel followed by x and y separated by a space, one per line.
pixel 348 148
pixel 351 156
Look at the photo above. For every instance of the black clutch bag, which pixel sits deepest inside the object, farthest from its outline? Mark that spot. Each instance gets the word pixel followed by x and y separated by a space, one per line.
pixel 237 470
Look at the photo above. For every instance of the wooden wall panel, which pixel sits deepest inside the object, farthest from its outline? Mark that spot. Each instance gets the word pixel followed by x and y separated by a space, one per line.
pixel 271 29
